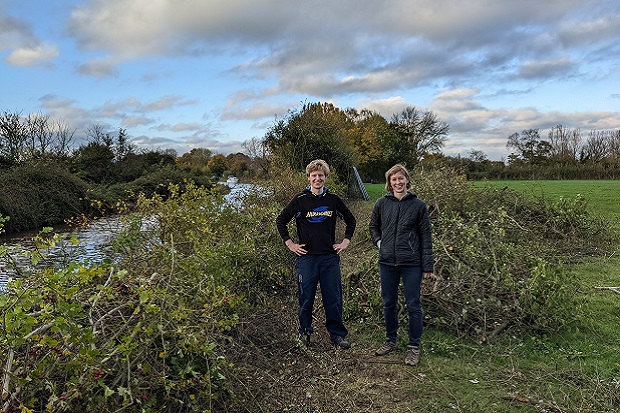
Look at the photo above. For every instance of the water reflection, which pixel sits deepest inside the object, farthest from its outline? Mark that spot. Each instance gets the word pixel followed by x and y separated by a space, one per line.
pixel 93 240
pixel 92 246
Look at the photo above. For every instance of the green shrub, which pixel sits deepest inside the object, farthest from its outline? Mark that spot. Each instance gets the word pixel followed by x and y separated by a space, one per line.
pixel 37 196
pixel 147 333
pixel 153 183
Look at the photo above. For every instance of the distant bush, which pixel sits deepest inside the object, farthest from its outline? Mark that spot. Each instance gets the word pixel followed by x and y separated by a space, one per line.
pixel 108 196
pixel 40 195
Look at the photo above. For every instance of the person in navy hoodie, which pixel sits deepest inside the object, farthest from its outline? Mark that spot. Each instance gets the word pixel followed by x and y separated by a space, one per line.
pixel 316 211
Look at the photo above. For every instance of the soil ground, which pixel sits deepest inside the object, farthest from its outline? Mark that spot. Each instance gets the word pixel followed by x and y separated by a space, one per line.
pixel 274 372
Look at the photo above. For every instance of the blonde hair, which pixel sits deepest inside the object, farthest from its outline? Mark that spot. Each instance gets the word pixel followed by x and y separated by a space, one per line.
pixel 393 170
pixel 317 165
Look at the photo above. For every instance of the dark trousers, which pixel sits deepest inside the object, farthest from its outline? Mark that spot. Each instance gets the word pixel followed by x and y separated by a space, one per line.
pixel 412 281
pixel 324 269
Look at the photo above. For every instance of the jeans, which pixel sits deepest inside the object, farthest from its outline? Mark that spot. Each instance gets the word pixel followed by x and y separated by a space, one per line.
pixel 412 281
pixel 323 269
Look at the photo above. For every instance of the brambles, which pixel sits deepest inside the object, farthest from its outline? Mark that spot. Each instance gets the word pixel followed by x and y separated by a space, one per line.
pixel 157 329
pixel 145 333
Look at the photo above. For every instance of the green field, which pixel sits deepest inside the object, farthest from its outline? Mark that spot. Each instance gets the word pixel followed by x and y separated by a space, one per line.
pixel 574 370
pixel 603 196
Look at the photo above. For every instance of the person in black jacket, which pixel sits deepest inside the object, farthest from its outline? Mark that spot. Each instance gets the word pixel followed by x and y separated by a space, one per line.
pixel 315 210
pixel 401 229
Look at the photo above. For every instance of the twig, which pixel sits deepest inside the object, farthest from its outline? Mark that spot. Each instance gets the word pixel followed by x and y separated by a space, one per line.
pixel 9 364
pixel 614 289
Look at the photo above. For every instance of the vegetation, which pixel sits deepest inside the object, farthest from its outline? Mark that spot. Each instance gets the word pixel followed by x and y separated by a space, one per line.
pixel 46 181
pixel 196 312
pixel 38 196
pixel 199 315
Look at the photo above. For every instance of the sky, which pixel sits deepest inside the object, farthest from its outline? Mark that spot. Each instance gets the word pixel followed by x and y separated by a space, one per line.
pixel 184 74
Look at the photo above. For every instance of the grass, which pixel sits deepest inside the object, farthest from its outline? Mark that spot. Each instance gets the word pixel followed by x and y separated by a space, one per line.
pixel 574 370
pixel 603 196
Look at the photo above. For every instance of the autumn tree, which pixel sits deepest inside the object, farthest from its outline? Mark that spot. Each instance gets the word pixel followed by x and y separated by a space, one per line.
pixel 368 138
pixel 218 164
pixel 238 163
pixel 197 158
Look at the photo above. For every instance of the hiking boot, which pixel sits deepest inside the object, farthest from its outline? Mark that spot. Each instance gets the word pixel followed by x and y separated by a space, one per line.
pixel 413 356
pixel 341 342
pixel 304 338
pixel 386 348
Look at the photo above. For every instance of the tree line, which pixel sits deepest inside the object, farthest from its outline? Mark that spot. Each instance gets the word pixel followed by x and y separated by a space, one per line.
pixel 373 144
pixel 108 166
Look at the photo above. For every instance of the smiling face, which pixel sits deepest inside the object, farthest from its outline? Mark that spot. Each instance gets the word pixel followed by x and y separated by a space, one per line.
pixel 398 182
pixel 317 181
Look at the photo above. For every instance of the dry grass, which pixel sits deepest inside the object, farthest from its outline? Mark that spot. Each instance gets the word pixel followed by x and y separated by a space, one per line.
pixel 273 372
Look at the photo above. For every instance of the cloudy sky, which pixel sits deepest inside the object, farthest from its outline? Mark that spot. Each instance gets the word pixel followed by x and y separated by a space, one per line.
pixel 182 74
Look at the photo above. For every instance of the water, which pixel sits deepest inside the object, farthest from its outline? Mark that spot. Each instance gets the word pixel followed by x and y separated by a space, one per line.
pixel 4 279
pixel 93 241
pixel 92 246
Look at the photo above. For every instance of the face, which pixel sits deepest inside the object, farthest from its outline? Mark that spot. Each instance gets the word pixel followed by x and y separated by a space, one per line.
pixel 399 183
pixel 317 179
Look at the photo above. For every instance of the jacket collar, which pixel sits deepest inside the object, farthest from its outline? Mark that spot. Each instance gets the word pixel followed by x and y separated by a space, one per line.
pixel 408 195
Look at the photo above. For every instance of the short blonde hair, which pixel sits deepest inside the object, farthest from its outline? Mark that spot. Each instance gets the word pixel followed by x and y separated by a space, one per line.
pixel 393 170
pixel 317 165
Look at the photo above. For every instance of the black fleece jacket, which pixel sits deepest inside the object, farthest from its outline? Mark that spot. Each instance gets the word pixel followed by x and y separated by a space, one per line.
pixel 315 217
pixel 404 229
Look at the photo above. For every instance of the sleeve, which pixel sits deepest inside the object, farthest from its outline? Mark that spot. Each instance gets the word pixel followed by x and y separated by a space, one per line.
pixel 426 239
pixel 289 211
pixel 375 223
pixel 349 219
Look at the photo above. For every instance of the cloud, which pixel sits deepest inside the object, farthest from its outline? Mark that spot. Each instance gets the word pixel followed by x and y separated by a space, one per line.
pixel 237 110
pixel 546 69
pixel 386 107
pixel 32 56
pixel 14 33
pixel 99 67
pixel 476 126
pixel 179 127
pixel 589 31
pixel 26 48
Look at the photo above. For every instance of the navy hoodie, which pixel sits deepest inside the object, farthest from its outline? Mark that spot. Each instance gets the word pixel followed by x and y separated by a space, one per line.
pixel 315 217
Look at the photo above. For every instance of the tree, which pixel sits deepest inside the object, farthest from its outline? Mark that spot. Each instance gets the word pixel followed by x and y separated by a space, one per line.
pixel 238 163
pixel 417 134
pixel 564 143
pixel 218 164
pixel 368 139
pixel 12 138
pixel 317 131
pixel 258 152
pixel 93 162
pixel 478 156
pixel 197 158
pixel 531 149
pixel 597 146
